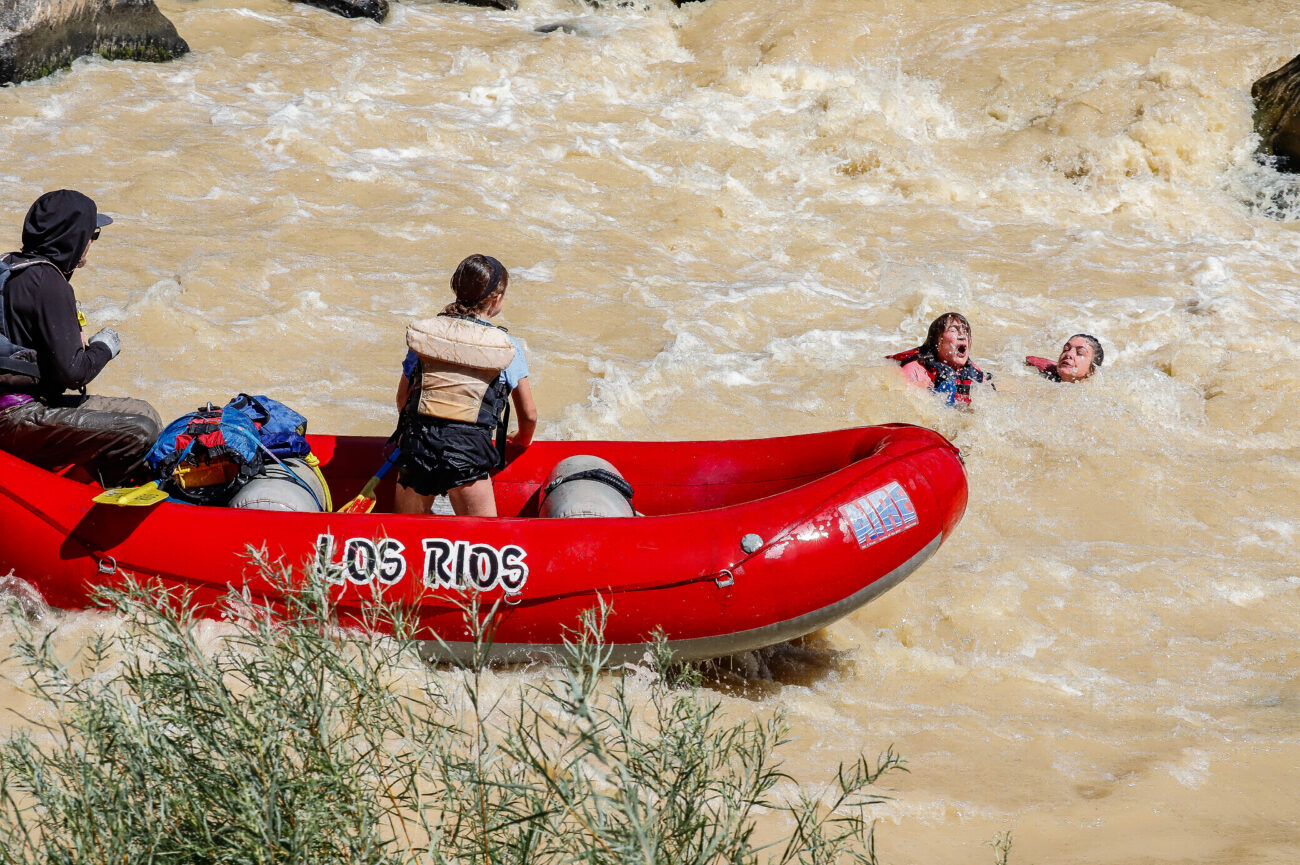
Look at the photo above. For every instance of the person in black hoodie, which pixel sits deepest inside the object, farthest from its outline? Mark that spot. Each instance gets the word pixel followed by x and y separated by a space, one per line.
pixel 39 420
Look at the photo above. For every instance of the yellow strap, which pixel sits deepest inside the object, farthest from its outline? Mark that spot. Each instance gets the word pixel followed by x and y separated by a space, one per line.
pixel 312 461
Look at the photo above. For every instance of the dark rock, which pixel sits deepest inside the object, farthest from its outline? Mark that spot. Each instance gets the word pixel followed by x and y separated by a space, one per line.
pixel 38 37
pixel 558 27
pixel 618 4
pixel 508 5
pixel 1277 115
pixel 376 10
pixel 630 4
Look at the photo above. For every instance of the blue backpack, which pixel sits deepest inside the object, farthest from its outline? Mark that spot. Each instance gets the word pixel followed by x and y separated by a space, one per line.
pixel 206 456
pixel 282 430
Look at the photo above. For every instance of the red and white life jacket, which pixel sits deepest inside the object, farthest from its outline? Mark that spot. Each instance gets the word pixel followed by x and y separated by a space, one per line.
pixel 955 384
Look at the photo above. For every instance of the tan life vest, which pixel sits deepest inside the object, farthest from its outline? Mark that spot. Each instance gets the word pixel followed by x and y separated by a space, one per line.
pixel 459 361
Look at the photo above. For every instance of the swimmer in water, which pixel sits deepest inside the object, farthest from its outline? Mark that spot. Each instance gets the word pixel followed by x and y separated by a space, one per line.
pixel 1079 359
pixel 942 363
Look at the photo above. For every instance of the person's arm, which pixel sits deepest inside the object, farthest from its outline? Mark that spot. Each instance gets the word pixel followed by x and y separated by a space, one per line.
pixel 63 356
pixel 1043 365
pixel 915 374
pixel 409 365
pixel 525 413
pixel 403 392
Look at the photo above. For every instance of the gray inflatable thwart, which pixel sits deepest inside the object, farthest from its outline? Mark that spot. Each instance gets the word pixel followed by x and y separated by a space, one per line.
pixel 275 490
pixel 570 496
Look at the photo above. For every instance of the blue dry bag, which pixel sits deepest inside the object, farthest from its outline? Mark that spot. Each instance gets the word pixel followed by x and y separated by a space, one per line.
pixel 283 430
pixel 204 457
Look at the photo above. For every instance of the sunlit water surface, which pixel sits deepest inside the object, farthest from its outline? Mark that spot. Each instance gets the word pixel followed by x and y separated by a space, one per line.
pixel 718 220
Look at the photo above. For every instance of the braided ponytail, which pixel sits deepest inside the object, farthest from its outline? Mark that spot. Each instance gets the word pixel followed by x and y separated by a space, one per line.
pixel 477 282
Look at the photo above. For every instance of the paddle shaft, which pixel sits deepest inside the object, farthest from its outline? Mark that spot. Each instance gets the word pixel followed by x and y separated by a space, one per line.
pixel 368 491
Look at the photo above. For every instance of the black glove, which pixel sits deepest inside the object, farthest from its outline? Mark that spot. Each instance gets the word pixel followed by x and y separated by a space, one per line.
pixel 109 338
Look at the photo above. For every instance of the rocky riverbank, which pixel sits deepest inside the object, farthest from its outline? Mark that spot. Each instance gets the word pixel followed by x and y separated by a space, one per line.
pixel 1277 115
pixel 38 37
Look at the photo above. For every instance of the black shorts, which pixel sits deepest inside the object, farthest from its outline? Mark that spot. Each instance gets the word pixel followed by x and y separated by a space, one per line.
pixel 438 456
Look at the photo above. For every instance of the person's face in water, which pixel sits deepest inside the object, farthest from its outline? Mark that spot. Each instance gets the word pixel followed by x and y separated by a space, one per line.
pixel 1075 363
pixel 954 345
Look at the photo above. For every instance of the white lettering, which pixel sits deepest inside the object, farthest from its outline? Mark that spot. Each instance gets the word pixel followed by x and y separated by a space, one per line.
pixel 360 558
pixel 483 566
pixel 437 561
pixel 448 564
pixel 325 559
pixel 391 566
pixel 514 573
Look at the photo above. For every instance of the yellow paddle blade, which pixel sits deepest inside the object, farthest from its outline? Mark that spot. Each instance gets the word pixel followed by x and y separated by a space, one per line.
pixel 364 503
pixel 141 496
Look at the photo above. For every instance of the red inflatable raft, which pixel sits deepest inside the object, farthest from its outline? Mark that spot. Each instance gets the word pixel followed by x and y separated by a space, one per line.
pixel 742 544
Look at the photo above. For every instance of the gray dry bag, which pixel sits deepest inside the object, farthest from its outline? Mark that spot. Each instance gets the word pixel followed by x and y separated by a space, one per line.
pixel 586 486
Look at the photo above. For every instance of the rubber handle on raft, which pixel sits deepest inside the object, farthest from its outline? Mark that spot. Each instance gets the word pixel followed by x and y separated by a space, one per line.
pixel 604 476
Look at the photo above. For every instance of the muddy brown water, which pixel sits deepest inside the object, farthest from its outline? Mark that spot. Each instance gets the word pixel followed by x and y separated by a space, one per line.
pixel 718 220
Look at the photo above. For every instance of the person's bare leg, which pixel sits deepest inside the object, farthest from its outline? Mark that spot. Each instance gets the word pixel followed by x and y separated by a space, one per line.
pixel 474 499
pixel 408 501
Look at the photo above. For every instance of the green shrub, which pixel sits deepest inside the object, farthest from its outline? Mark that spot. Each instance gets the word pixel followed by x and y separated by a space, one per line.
pixel 292 740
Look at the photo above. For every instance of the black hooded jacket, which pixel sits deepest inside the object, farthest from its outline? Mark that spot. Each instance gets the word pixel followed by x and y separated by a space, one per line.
pixel 39 303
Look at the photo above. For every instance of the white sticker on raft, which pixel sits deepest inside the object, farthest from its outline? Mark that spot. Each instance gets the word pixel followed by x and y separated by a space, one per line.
pixel 447 564
pixel 880 514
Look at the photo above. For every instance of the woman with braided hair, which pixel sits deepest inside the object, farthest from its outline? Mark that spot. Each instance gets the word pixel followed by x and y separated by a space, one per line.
pixel 460 377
